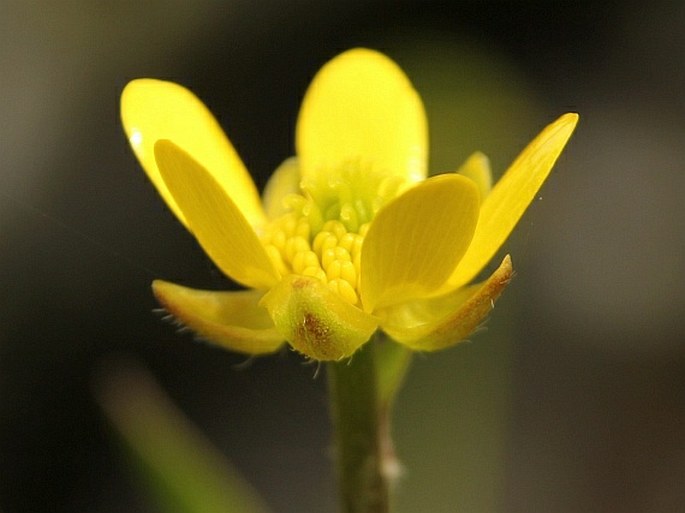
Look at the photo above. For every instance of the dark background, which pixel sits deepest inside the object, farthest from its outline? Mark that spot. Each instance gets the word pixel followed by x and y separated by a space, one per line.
pixel 574 398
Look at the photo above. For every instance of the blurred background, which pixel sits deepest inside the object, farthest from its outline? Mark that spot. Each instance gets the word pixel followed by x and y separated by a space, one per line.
pixel 572 399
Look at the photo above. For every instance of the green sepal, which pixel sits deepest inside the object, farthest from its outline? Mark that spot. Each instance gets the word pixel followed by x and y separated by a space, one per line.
pixel 316 321
pixel 440 322
pixel 232 319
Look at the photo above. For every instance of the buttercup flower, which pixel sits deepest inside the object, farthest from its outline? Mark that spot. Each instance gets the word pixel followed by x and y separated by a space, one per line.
pixel 349 236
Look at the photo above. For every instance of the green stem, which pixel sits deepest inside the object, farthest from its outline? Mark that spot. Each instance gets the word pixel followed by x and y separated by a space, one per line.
pixel 359 428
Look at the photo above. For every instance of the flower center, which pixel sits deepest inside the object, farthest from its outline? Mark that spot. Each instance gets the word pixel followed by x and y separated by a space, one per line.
pixel 332 254
pixel 322 233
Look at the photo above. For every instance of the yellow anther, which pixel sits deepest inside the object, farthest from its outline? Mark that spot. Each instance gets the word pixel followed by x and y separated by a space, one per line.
pixel 315 272
pixel 318 242
pixel 293 245
pixel 303 260
pixel 336 228
pixel 342 254
pixel 331 255
pixel 333 270
pixel 357 259
pixel 357 246
pixel 347 241
pixel 348 272
pixel 327 257
pixel 344 289
pixel 301 242
pixel 289 224
pixel 329 225
pixel 303 229
pixel 330 241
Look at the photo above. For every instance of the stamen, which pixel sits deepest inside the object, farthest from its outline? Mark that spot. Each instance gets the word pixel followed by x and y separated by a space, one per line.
pixel 347 241
pixel 332 255
pixel 303 260
pixel 344 289
pixel 322 234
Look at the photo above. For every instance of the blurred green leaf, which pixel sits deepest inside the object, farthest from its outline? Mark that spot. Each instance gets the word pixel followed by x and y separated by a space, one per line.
pixel 179 467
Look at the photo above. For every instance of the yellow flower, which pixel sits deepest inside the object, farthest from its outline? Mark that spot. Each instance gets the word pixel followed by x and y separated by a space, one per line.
pixel 350 236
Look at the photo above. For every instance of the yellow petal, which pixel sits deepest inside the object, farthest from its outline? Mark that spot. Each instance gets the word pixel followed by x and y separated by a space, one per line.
pixel 155 109
pixel 477 168
pixel 217 223
pixel 512 194
pixel 415 241
pixel 362 109
pixel 441 322
pixel 315 320
pixel 230 319
pixel 284 181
